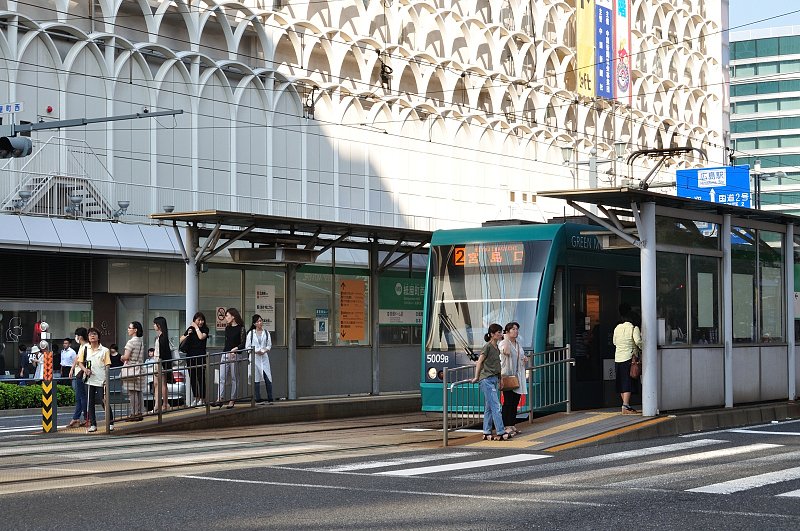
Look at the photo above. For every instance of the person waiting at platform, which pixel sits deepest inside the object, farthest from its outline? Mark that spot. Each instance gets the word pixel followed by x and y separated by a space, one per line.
pixel 94 362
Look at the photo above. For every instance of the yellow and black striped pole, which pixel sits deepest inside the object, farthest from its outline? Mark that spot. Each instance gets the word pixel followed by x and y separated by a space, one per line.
pixel 49 392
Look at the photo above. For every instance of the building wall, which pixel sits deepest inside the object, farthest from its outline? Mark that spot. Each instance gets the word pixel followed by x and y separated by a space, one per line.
pixel 765 110
pixel 286 112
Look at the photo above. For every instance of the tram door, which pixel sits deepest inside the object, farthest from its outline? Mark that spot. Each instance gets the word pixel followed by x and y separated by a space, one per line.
pixel 594 302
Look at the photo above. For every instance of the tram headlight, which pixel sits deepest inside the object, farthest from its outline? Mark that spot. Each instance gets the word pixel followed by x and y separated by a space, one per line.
pixel 432 373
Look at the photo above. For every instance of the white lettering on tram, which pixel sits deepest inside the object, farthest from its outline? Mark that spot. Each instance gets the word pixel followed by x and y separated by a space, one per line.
pixel 585 242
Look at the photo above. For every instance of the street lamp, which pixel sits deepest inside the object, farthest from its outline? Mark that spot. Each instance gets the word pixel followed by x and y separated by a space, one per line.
pixel 567 153
pixel 759 176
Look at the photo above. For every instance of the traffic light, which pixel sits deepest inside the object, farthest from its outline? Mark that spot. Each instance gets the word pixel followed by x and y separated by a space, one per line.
pixel 15 146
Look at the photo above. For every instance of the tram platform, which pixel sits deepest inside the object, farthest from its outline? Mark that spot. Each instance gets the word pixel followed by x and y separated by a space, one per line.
pixel 401 413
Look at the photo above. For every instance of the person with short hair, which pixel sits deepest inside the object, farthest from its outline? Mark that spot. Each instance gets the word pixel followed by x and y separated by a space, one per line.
pixel 68 355
pixel 628 342
pixel 22 372
pixel 94 362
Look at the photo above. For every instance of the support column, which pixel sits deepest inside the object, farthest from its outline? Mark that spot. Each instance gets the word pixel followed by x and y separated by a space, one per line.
pixel 374 316
pixel 727 309
pixel 291 333
pixel 650 361
pixel 790 338
pixel 192 242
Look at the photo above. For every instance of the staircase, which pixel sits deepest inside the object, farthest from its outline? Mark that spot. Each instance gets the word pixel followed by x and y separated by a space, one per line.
pixel 63 173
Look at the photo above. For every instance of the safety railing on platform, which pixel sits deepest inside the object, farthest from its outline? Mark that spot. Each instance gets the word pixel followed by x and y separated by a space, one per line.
pixel 547 379
pixel 462 401
pixel 136 391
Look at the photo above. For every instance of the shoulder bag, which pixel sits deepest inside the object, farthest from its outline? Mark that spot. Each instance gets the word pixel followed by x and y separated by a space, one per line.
pixel 636 360
pixel 509 383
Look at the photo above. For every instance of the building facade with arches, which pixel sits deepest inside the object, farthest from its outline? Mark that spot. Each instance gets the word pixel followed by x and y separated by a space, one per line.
pixel 400 113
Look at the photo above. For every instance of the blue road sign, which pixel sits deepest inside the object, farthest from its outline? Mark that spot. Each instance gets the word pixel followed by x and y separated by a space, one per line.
pixel 729 185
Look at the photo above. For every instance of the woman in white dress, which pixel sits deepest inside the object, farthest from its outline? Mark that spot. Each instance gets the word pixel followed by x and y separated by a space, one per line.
pixel 259 340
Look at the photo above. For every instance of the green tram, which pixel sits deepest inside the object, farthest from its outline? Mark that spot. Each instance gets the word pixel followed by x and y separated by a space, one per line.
pixel 554 279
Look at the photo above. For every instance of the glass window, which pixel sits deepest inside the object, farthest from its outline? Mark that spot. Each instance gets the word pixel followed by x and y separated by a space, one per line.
pixel 400 304
pixel 671 296
pixel 744 70
pixel 790 104
pixel 768 47
pixel 744 144
pixel 789 67
pixel 264 294
pixel 770 262
pixel 767 68
pixel 768 142
pixel 743 262
pixel 685 233
pixel 790 141
pixel 790 45
pixel 219 288
pixel 705 299
pixel 314 301
pixel 745 107
pixel 743 50
pixel 768 106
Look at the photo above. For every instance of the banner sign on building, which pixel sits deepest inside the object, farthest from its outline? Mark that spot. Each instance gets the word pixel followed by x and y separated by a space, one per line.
pixel 400 301
pixel 265 305
pixel 622 53
pixel 729 185
pixel 604 48
pixel 584 17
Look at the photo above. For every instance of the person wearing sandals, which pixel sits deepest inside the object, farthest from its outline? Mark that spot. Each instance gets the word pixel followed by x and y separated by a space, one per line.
pixel 78 385
pixel 259 340
pixel 94 362
pixel 627 340
pixel 234 341
pixel 512 361
pixel 131 376
pixel 163 352
pixel 487 374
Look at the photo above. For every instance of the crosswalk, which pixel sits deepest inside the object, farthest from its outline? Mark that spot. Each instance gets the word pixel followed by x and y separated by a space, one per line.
pixel 701 466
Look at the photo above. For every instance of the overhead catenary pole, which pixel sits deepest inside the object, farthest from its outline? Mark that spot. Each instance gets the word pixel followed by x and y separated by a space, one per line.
pixel 14 129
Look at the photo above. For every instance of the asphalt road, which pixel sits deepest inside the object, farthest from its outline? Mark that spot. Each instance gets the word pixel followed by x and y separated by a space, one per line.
pixel 735 479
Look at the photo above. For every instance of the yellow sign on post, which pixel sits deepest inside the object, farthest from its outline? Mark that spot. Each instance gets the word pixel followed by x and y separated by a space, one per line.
pixel 352 318
pixel 49 402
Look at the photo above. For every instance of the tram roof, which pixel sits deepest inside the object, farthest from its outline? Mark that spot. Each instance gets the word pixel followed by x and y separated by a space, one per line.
pixel 622 198
pixel 265 228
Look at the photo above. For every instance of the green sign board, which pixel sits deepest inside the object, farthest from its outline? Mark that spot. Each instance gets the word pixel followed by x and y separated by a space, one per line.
pixel 400 300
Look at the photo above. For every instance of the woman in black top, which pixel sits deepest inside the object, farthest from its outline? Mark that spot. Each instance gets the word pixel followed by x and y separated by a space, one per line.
pixel 194 345
pixel 234 341
pixel 164 354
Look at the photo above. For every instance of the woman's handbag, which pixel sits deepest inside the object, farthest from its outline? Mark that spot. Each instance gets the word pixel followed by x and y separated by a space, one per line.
pixel 636 367
pixel 509 383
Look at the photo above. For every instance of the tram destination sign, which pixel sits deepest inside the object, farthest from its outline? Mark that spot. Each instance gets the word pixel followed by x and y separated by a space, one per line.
pixel 728 185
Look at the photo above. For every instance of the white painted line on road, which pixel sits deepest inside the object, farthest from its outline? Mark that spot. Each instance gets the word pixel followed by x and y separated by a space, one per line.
pixel 792 494
pixel 728 430
pixel 759 432
pixel 465 465
pixel 520 499
pixel 616 456
pixel 391 462
pixel 738 485
pixel 22 428
pixel 713 454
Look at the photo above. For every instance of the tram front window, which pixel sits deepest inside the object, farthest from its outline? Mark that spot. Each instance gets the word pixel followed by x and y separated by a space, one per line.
pixel 474 285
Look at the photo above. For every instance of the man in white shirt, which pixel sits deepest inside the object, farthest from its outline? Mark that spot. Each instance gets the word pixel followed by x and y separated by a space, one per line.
pixel 67 357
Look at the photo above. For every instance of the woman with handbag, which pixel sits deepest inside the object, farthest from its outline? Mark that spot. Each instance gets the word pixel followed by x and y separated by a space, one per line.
pixel 487 374
pixel 193 343
pixel 513 361
pixel 628 343
pixel 234 341
pixel 94 362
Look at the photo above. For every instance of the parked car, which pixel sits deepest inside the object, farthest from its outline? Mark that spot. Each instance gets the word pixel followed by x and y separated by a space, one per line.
pixel 176 391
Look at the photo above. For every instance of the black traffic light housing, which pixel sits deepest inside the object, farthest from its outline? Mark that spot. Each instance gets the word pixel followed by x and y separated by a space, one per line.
pixel 15 146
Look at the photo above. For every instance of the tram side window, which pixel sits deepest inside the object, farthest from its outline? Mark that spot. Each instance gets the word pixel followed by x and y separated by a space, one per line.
pixel 770 264
pixel 671 297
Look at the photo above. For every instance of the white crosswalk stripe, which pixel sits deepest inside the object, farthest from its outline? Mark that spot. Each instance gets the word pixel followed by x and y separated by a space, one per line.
pixel 386 463
pixel 607 458
pixel 497 461
pixel 751 482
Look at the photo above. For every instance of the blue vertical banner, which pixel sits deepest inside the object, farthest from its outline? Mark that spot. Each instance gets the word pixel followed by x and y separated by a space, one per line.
pixel 727 185
pixel 604 48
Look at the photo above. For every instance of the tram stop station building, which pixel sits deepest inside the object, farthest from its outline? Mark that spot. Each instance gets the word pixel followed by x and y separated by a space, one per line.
pixel 717 295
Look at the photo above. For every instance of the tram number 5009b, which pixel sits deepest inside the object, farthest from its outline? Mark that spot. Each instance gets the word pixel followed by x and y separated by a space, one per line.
pixel 435 363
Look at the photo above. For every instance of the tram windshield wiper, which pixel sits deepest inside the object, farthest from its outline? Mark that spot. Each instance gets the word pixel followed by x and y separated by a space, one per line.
pixel 449 328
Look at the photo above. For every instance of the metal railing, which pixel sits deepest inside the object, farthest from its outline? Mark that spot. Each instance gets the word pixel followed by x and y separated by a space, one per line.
pixel 462 401
pixel 220 376
pixel 547 379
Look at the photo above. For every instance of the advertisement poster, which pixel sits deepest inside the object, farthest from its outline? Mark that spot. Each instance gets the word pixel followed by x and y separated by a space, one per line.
pixel 400 301
pixel 604 48
pixel 352 318
pixel 622 53
pixel 265 305
pixel 321 326
pixel 585 15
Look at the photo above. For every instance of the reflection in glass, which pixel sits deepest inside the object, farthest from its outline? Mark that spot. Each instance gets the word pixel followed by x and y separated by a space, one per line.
pixel 671 296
